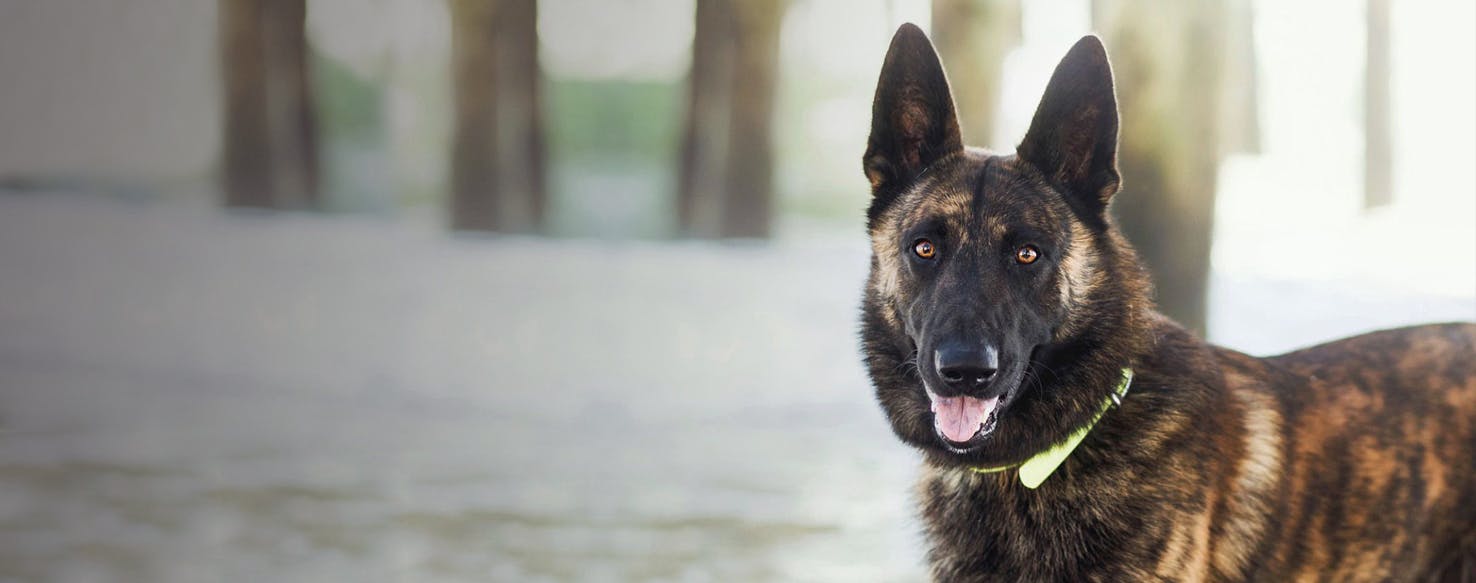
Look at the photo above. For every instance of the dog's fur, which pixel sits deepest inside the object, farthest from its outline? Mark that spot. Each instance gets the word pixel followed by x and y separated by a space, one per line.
pixel 1350 461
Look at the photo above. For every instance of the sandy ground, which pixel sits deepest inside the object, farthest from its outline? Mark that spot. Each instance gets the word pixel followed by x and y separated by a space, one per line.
pixel 193 395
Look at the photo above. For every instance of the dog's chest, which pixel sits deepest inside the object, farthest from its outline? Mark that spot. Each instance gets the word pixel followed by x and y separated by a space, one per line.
pixel 989 527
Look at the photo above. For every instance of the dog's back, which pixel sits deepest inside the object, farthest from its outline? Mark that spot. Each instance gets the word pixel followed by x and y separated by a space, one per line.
pixel 1379 479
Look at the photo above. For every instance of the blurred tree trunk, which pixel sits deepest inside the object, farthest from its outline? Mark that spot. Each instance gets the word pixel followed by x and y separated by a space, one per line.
pixel 521 114
pixel 700 176
pixel 270 155
pixel 725 182
pixel 498 154
pixel 973 37
pixel 474 168
pixel 750 190
pixel 1378 188
pixel 1170 61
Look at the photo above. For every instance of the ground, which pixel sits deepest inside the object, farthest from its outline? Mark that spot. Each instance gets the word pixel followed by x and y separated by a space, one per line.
pixel 189 394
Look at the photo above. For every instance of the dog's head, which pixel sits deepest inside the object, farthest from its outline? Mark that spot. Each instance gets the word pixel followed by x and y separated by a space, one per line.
pixel 1002 301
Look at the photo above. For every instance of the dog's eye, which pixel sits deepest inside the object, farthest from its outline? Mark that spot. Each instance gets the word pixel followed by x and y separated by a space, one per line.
pixel 1027 255
pixel 924 249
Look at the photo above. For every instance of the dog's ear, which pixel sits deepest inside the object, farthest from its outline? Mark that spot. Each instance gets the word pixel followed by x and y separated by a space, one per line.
pixel 913 123
pixel 1073 137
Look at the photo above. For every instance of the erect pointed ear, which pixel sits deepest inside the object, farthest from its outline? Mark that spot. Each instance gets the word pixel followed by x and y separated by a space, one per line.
pixel 913 123
pixel 1073 138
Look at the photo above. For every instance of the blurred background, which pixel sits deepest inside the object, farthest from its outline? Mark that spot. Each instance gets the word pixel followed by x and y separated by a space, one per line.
pixel 469 290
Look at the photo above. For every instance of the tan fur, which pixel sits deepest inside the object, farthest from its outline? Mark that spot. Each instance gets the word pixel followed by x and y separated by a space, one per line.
pixel 883 239
pixel 1257 474
pixel 1078 274
pixel 1187 555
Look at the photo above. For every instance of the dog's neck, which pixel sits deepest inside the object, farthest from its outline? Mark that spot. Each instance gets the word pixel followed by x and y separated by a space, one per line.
pixel 1137 401
pixel 976 520
pixel 1035 470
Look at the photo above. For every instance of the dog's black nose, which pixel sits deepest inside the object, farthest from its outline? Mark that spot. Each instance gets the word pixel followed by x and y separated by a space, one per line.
pixel 966 367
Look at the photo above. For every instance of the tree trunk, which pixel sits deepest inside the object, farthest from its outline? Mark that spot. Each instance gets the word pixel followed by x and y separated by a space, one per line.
pixel 725 180
pixel 498 153
pixel 700 178
pixel 1378 187
pixel 750 176
pixel 270 155
pixel 520 113
pixel 1169 61
pixel 973 37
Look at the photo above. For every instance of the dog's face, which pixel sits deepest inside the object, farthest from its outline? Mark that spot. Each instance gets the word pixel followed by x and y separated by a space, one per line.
pixel 987 270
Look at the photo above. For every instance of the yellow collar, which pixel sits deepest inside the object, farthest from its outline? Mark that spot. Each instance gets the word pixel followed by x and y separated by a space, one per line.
pixel 1039 467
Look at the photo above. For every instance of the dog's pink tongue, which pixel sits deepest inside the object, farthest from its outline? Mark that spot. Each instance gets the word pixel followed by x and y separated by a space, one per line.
pixel 958 418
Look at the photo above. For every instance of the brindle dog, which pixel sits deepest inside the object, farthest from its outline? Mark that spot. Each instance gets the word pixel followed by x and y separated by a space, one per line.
pixel 1003 313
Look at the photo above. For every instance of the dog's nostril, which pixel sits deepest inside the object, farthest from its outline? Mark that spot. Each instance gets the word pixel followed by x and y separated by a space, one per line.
pixel 973 374
pixel 966 366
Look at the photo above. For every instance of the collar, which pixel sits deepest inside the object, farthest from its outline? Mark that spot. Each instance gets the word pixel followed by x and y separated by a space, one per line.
pixel 1040 466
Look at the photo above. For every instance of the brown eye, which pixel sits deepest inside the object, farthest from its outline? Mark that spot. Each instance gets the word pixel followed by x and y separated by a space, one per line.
pixel 1027 255
pixel 924 249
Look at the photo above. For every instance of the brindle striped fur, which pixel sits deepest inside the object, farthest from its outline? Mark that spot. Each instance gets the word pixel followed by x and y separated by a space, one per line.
pixel 1350 461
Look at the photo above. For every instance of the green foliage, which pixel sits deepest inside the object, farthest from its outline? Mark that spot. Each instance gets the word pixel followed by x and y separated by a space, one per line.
pixel 613 156
pixel 628 120
pixel 349 105
pixel 356 162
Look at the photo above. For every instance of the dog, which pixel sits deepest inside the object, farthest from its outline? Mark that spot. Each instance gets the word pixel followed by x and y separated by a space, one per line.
pixel 1069 432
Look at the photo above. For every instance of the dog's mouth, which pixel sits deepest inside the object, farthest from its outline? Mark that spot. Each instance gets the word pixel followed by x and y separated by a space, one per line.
pixel 963 422
pixel 959 420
